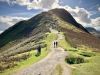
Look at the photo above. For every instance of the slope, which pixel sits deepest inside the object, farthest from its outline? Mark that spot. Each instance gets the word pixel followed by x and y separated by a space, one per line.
pixel 76 35
pixel 23 36
pixel 33 29
pixel 26 35
pixel 21 29
pixel 67 17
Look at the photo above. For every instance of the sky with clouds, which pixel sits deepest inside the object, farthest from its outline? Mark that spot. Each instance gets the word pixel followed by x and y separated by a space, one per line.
pixel 85 12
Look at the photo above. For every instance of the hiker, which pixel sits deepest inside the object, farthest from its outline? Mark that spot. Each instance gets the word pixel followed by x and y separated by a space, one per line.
pixel 39 49
pixel 56 44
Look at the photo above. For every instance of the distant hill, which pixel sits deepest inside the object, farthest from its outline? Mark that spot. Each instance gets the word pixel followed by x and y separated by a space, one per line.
pixel 93 31
pixel 90 29
pixel 31 30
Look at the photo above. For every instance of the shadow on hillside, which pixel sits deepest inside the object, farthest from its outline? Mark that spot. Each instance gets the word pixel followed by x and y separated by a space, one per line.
pixel 37 55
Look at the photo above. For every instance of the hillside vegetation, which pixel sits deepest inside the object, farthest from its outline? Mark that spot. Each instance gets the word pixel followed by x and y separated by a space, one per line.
pixel 82 62
pixel 24 36
pixel 22 59
pixel 17 36
pixel 76 35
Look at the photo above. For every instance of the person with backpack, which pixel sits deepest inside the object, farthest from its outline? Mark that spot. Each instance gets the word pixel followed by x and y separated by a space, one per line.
pixel 39 49
pixel 56 44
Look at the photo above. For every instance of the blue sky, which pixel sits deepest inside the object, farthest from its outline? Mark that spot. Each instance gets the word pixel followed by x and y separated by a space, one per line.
pixel 85 12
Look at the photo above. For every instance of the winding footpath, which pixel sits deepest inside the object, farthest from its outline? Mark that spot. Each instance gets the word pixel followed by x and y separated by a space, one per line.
pixel 49 63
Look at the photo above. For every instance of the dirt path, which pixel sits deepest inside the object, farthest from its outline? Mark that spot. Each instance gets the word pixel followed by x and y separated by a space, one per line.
pixel 66 70
pixel 48 64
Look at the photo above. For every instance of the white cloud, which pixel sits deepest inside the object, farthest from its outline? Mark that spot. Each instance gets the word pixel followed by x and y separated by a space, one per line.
pixel 81 15
pixel 43 4
pixel 8 21
pixel 96 22
pixel 80 1
pixel 61 2
pixel 22 2
pixel 99 8
pixel 8 1
pixel 92 7
pixel 3 26
pixel 97 5
pixel 35 4
pixel 11 20
pixel 1 32
pixel 19 2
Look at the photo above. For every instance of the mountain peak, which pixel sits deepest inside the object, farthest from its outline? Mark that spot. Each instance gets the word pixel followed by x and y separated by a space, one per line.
pixel 58 10
pixel 91 29
pixel 61 19
pixel 37 24
pixel 66 16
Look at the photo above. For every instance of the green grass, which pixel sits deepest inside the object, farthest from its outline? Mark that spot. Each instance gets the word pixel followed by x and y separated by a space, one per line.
pixel 91 65
pixel 90 68
pixel 65 45
pixel 87 54
pixel 62 43
pixel 58 70
pixel 74 59
pixel 49 39
pixel 32 59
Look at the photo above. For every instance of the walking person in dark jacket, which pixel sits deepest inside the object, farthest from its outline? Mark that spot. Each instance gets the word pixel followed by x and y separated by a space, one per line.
pixel 56 44
pixel 39 49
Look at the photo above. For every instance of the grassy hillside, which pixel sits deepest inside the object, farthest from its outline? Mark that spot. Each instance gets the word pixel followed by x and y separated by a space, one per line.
pixel 18 37
pixel 24 37
pixel 67 17
pixel 21 60
pixel 81 62
pixel 23 29
pixel 58 18
pixel 76 36
pixel 82 41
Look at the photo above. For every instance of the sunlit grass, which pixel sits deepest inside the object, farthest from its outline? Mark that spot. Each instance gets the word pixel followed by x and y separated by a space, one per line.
pixel 50 38
pixel 32 59
pixel 91 64
pixel 58 70
pixel 62 43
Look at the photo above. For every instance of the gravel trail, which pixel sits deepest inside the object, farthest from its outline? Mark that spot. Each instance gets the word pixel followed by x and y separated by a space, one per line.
pixel 47 64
